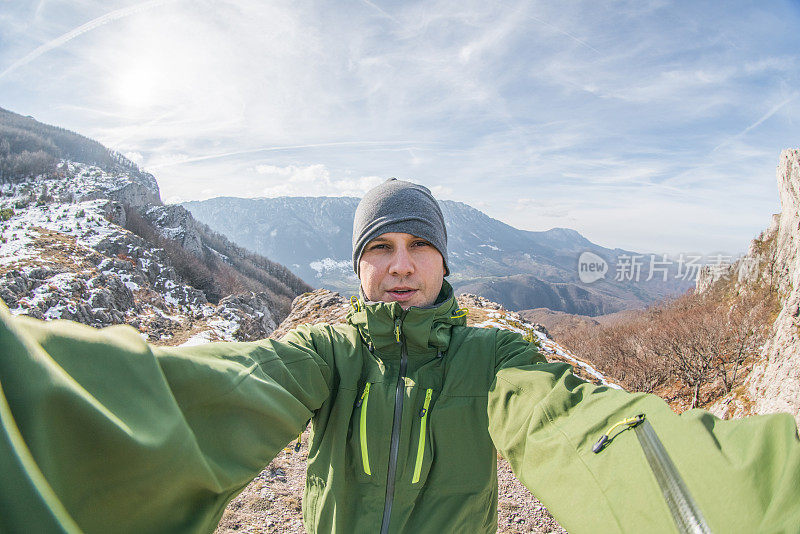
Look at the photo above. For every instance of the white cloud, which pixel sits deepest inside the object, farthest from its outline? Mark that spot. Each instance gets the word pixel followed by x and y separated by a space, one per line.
pixel 311 180
pixel 772 111
pixel 84 28
pixel 165 159
pixel 439 191
pixel 526 203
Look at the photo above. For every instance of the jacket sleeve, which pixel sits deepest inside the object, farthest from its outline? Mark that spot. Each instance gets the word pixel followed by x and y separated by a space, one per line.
pixel 742 475
pixel 101 432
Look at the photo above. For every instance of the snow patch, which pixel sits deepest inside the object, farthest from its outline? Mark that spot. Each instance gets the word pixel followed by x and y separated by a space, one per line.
pixel 329 264
pixel 198 339
pixel 221 330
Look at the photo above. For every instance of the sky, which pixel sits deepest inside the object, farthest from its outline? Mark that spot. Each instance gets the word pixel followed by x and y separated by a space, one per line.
pixel 647 125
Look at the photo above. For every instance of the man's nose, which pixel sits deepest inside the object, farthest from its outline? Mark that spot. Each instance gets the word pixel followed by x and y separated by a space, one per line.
pixel 402 263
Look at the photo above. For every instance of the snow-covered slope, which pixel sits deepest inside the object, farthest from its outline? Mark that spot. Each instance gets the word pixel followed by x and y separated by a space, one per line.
pixel 64 254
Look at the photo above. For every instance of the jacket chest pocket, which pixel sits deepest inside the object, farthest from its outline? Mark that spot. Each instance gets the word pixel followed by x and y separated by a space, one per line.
pixel 421 443
pixel 367 441
pixel 362 405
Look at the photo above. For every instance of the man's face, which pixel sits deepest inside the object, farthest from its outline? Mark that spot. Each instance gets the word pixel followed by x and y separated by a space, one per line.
pixel 403 268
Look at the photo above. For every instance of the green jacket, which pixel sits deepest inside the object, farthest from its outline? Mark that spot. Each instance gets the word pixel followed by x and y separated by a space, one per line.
pixel 101 432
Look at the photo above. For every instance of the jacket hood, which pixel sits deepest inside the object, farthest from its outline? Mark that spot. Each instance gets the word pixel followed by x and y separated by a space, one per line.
pixel 425 331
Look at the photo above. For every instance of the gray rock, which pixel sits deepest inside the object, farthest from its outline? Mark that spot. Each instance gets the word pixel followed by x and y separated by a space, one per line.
pixel 176 223
pixel 35 312
pixel 253 312
pixel 41 273
pixel 774 259
pixel 101 299
pixel 135 194
pixel 115 212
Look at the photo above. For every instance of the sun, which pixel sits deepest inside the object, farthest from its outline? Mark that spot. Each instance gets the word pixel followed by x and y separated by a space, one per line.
pixel 136 86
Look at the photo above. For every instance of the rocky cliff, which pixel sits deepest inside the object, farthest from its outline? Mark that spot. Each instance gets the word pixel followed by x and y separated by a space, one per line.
pixel 65 254
pixel 773 259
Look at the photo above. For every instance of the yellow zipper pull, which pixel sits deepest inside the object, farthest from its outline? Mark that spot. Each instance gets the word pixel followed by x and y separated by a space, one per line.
pixel 363 394
pixel 424 409
pixel 460 312
pixel 397 329
pixel 604 440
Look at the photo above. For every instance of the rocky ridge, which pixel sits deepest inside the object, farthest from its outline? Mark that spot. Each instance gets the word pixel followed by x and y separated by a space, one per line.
pixel 271 502
pixel 773 259
pixel 64 254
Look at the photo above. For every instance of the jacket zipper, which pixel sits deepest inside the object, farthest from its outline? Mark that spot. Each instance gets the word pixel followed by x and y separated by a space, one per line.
pixel 362 429
pixel 422 428
pixel 685 512
pixel 398 416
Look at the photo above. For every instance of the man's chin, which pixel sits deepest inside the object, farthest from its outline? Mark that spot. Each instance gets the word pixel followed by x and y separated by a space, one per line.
pixel 404 305
pixel 415 300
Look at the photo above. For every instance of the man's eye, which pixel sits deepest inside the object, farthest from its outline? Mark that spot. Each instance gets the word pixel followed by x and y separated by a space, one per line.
pixel 421 243
pixel 378 246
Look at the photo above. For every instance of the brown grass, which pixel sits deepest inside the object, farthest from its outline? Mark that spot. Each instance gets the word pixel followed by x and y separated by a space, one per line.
pixel 53 248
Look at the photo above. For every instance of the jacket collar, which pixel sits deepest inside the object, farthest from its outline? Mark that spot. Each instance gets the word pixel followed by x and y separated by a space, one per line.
pixel 425 331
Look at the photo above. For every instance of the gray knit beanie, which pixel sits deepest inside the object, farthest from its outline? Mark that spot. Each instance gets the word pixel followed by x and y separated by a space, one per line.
pixel 399 206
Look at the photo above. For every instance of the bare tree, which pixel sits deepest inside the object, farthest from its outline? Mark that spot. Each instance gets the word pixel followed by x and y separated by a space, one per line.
pixel 747 326
pixel 696 338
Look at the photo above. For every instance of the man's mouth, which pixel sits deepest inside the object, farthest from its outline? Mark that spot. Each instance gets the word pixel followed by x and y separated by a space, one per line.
pixel 401 293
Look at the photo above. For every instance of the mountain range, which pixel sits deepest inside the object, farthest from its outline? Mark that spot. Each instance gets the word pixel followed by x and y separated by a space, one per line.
pixel 312 235
pixel 520 269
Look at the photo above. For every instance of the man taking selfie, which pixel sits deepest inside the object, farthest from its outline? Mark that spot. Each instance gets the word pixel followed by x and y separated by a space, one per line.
pixel 102 432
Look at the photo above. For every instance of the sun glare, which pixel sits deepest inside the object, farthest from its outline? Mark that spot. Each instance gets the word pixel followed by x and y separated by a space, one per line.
pixel 136 87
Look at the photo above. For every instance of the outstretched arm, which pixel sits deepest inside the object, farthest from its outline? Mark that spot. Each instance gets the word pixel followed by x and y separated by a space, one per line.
pixel 741 475
pixel 101 432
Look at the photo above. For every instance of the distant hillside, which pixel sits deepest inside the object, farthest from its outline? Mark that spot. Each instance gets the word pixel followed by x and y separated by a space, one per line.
pixel 517 268
pixel 559 323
